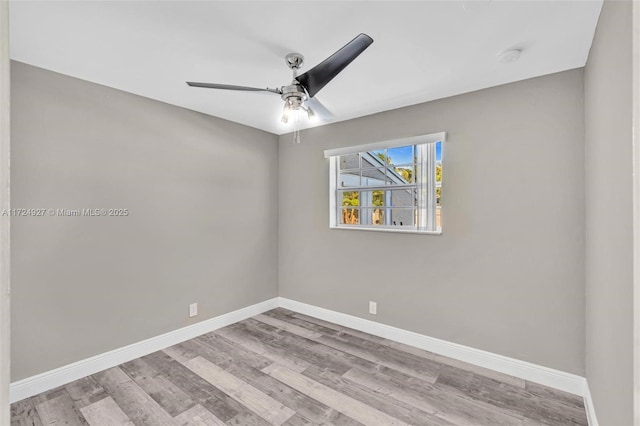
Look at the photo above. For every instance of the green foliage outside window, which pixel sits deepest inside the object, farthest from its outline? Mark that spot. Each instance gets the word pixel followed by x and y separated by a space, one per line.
pixel 351 199
pixel 378 198
pixel 438 179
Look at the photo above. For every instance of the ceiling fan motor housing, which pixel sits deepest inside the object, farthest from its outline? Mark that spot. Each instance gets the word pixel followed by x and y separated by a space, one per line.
pixel 294 95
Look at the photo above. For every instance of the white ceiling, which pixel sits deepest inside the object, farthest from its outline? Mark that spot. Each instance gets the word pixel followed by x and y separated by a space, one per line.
pixel 421 51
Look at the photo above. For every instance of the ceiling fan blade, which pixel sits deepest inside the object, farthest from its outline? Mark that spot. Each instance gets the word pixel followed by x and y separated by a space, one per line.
pixel 317 77
pixel 319 109
pixel 231 87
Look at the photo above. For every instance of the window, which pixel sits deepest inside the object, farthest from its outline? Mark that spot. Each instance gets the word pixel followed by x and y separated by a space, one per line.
pixel 388 186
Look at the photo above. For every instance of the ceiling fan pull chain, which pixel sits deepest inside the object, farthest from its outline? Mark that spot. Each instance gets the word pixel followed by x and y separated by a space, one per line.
pixel 296 126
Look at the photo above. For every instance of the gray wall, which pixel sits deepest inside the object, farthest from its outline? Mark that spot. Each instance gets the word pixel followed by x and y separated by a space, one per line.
pixel 202 195
pixel 507 275
pixel 609 217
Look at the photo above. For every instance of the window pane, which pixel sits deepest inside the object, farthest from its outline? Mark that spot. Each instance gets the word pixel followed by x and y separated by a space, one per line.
pixel 373 159
pixel 403 217
pixel 406 172
pixel 373 177
pixel 349 179
pixel 378 198
pixel 372 198
pixel 349 216
pixel 373 216
pixel 394 178
pixel 402 197
pixel 350 198
pixel 401 155
pixel 351 161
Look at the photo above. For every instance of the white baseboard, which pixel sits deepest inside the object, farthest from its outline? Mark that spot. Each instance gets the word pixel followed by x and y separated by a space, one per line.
pixel 51 379
pixel 535 373
pixel 522 369
pixel 588 405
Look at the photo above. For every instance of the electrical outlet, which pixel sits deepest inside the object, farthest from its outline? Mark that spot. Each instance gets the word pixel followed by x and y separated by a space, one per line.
pixel 373 308
pixel 193 310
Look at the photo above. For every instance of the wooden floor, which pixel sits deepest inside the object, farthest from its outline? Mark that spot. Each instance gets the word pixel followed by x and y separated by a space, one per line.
pixel 284 368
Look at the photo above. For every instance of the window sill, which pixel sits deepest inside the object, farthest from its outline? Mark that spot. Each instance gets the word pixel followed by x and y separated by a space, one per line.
pixel 390 230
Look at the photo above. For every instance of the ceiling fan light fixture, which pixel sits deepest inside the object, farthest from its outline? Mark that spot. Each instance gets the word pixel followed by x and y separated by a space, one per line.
pixel 293 107
pixel 286 113
pixel 310 114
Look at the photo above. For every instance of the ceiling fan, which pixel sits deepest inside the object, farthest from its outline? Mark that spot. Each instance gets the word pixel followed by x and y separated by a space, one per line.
pixel 299 95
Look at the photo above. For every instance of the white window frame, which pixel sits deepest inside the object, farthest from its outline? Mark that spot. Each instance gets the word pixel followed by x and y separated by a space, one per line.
pixel 426 166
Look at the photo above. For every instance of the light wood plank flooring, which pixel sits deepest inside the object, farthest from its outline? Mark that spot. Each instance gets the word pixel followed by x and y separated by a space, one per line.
pixel 284 368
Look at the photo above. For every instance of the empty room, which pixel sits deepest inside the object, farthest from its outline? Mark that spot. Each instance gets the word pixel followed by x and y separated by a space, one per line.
pixel 320 213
